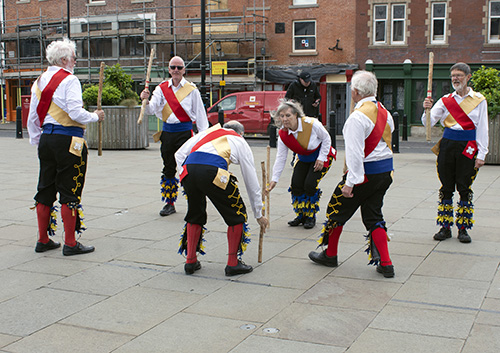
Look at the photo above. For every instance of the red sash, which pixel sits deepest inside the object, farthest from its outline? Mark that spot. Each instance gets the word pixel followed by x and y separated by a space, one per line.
pixel 373 139
pixel 458 113
pixel 48 92
pixel 207 138
pixel 291 142
pixel 174 103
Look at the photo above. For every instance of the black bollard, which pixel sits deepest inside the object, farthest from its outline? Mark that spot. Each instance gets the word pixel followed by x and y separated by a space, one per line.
pixel 272 135
pixel 405 127
pixel 332 129
pixel 395 134
pixel 221 117
pixel 19 123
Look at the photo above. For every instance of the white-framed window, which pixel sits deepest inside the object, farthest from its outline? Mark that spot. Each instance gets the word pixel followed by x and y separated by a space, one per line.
pixel 304 36
pixel 438 22
pixel 304 2
pixel 380 24
pixel 398 24
pixel 494 22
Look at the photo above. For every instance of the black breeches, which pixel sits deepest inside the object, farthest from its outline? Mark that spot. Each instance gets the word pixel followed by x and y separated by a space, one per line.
pixel 305 180
pixel 170 143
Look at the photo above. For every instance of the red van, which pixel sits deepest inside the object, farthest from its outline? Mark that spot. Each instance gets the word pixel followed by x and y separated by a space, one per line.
pixel 252 109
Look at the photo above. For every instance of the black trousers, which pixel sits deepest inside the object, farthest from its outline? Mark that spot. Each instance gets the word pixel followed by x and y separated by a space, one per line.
pixel 305 180
pixel 60 171
pixel 455 171
pixel 369 196
pixel 198 185
pixel 170 143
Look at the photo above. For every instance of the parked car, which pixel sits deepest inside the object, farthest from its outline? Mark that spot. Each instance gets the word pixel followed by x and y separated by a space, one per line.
pixel 252 109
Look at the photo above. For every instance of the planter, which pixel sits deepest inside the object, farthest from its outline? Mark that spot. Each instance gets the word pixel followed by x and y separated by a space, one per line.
pixel 120 129
pixel 493 156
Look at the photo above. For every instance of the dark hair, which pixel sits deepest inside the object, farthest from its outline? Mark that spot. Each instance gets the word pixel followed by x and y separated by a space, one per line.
pixel 461 67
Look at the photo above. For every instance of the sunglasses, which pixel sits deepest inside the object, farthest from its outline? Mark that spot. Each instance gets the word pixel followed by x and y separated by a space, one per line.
pixel 173 67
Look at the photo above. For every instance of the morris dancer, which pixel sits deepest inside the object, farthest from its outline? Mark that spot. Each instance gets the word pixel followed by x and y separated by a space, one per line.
pixel 178 103
pixel 56 123
pixel 203 168
pixel 367 135
pixel 462 150
pixel 308 138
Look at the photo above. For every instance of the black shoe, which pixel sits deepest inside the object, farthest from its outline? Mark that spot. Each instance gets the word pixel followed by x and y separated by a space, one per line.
pixel 323 259
pixel 444 233
pixel 387 271
pixel 239 269
pixel 296 222
pixel 78 249
pixel 191 268
pixel 167 210
pixel 463 236
pixel 41 247
pixel 310 223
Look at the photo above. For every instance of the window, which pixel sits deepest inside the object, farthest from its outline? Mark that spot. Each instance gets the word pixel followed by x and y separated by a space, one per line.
pixel 380 24
pixel 494 22
pixel 438 22
pixel 304 36
pixel 131 46
pixel 398 23
pixel 135 25
pixel 100 48
pixel 304 2
pixel 96 26
pixel 217 4
pixel 389 23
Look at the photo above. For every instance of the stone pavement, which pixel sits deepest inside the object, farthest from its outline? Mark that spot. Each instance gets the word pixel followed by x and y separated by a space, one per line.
pixel 131 294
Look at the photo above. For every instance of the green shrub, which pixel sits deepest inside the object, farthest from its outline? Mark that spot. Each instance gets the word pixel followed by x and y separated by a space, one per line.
pixel 487 81
pixel 117 88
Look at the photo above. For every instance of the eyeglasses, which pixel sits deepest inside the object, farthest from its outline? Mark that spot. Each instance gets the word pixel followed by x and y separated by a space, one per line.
pixel 457 76
pixel 173 67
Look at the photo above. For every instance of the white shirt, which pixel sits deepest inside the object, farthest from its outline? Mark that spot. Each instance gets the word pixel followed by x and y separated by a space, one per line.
pixel 356 130
pixel 192 104
pixel 319 135
pixel 241 154
pixel 67 96
pixel 479 116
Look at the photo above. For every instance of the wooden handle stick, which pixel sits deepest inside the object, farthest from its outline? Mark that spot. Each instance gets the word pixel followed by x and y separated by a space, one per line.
pixel 146 85
pixel 268 197
pixel 429 95
pixel 99 107
pixel 262 229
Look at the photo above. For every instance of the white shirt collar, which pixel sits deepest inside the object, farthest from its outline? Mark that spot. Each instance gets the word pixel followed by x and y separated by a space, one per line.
pixel 366 99
pixel 299 127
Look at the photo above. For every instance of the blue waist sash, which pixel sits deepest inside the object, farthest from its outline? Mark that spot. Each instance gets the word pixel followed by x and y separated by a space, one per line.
pixel 378 167
pixel 206 159
pixel 459 135
pixel 310 157
pixel 63 130
pixel 178 127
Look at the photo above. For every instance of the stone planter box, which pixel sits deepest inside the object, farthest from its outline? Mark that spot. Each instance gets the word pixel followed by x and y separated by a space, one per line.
pixel 493 156
pixel 120 129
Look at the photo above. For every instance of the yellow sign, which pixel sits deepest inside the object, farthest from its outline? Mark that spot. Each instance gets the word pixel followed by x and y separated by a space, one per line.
pixel 222 83
pixel 218 66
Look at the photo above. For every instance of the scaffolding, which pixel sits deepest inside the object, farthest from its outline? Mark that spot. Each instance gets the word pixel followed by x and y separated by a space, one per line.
pixel 126 36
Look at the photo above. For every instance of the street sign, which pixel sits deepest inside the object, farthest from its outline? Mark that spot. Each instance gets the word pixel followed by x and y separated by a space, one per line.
pixel 219 67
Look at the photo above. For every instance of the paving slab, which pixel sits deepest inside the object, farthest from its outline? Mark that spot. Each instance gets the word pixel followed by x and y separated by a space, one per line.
pixel 16 282
pixel 484 339
pixel 382 341
pixel 187 332
pixel 133 311
pixel 320 324
pixel 34 310
pixel 258 344
pixel 62 338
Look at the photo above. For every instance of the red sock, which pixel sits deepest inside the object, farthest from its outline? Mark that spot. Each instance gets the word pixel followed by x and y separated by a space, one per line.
pixel 43 218
pixel 333 241
pixel 68 216
pixel 193 237
pixel 234 234
pixel 379 237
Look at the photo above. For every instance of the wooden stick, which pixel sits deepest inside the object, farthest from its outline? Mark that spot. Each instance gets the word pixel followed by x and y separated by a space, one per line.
pixel 268 196
pixel 146 85
pixel 99 106
pixel 429 95
pixel 262 229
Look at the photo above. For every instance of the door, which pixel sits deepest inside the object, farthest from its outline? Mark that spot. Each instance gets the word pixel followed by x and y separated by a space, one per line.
pixel 249 112
pixel 337 104
pixel 392 96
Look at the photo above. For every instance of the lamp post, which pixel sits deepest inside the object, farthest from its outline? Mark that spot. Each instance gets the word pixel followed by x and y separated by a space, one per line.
pixel 67 20
pixel 203 65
